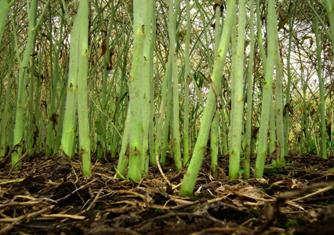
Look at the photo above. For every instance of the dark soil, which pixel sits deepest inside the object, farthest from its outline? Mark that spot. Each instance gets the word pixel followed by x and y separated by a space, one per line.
pixel 49 196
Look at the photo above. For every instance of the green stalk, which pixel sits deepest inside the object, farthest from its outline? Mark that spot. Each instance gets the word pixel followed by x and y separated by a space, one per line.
pixel 235 133
pixel 305 113
pixel 148 73
pixel 250 85
pixel 279 116
pixel 82 54
pixel 189 180
pixel 330 10
pixel 21 95
pixel 214 144
pixel 214 125
pixel 187 78
pixel 135 138
pixel 60 90
pixel 272 129
pixel 288 85
pixel 224 129
pixel 51 138
pixel 4 122
pixel 164 123
pixel 267 89
pixel 164 120
pixel 29 130
pixel 137 92
pixel 6 101
pixel 50 131
pixel 4 9
pixel 259 33
pixel 69 124
pixel 152 43
pixel 173 8
pixel 77 92
pixel 123 158
pixel 322 107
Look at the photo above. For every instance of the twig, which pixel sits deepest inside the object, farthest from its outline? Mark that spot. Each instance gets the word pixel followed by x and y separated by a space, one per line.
pixel 17 220
pixel 322 190
pixel 162 173
pixel 64 216
pixel 74 191
pixel 23 217
pixel 94 200
pixel 291 194
pixel 3 182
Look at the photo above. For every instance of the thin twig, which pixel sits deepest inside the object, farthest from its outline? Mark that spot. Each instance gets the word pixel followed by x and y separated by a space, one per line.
pixel 64 216
pixel 322 190
pixel 94 200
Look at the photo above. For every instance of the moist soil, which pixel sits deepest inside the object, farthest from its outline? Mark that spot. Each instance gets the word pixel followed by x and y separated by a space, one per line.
pixel 49 196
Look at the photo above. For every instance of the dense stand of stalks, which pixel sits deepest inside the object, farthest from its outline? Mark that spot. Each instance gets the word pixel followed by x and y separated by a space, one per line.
pixel 150 83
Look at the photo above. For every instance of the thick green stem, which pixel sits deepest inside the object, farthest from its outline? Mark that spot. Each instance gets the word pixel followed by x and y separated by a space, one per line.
pixel 77 92
pixel 214 125
pixel 267 89
pixel 123 159
pixel 322 107
pixel 20 118
pixel 148 73
pixel 287 114
pixel 82 74
pixel 69 124
pixel 139 89
pixel 135 119
pixel 272 129
pixel 250 90
pixel 236 116
pixel 189 180
pixel 173 8
pixel 186 80
pixel 279 111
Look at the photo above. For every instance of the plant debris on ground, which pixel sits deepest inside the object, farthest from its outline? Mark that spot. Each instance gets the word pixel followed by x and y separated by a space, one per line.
pixel 50 196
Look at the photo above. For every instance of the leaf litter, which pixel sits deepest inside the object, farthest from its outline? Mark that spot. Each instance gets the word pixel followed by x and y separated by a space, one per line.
pixel 49 196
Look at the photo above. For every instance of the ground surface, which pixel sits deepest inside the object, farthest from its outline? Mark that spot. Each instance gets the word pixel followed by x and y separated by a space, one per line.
pixel 49 196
